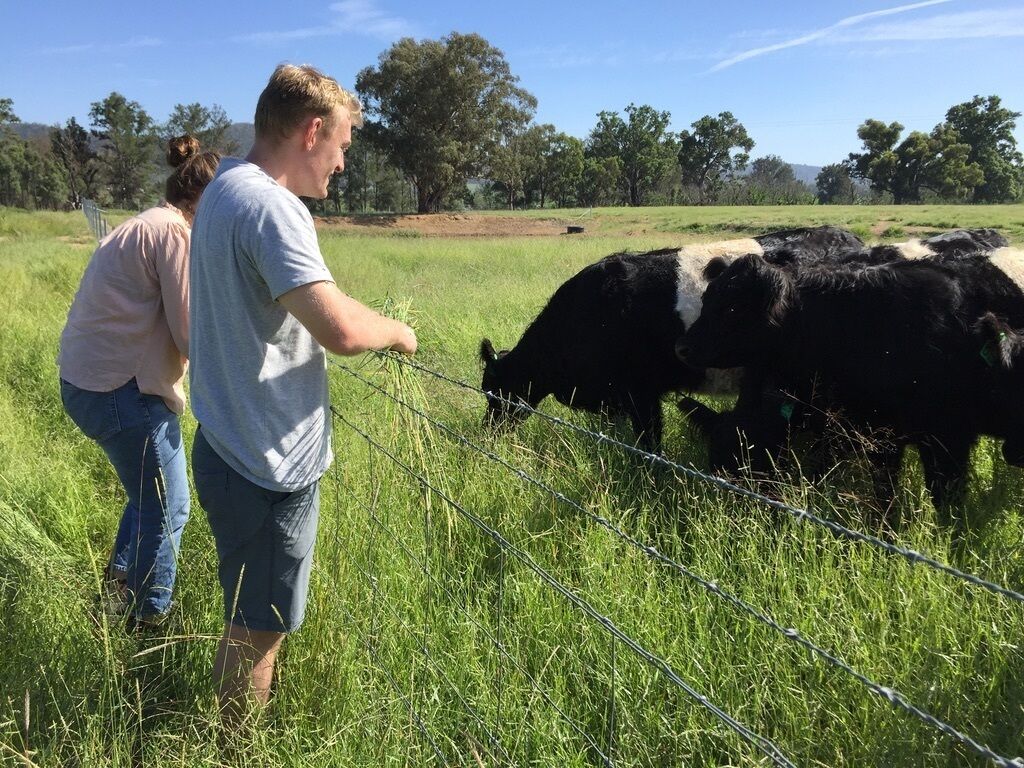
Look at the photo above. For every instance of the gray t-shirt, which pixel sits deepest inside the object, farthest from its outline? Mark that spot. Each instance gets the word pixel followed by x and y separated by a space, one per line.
pixel 258 378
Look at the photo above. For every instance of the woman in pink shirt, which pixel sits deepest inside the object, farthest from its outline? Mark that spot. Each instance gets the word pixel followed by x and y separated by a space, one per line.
pixel 123 355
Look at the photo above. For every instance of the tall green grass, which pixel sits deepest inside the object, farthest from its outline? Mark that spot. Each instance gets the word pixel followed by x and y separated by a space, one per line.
pixel 399 569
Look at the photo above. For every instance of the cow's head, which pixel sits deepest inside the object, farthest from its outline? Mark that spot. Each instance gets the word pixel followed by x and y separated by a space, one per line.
pixel 503 388
pixel 1002 349
pixel 742 310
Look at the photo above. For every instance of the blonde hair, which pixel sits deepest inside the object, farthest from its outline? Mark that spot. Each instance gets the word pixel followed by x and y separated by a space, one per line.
pixel 296 93
pixel 193 170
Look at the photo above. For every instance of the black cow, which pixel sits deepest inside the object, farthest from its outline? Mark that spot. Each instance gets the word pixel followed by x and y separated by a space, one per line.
pixel 893 345
pixel 749 438
pixel 605 340
pixel 964 242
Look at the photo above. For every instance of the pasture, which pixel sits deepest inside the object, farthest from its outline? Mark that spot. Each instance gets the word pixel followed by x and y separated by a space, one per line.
pixel 426 641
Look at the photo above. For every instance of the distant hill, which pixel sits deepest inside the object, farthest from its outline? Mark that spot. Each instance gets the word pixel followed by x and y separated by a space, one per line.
pixel 805 173
pixel 241 133
pixel 31 131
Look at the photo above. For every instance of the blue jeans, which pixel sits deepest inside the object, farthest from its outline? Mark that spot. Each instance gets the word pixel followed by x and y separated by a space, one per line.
pixel 142 439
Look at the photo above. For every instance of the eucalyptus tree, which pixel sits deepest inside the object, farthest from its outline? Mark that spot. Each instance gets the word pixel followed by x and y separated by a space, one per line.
pixel 127 137
pixel 987 128
pixel 439 108
pixel 208 124
pixel 712 152
pixel 642 143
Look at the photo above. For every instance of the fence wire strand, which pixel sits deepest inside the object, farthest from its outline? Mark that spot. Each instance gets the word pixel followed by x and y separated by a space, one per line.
pixel 892 696
pixel 912 556
pixel 495 641
pixel 420 724
pixel 764 745
pixel 396 687
pixel 421 648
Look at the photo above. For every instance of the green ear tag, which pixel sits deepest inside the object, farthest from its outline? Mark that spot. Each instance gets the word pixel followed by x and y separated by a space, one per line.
pixel 988 354
pixel 786 409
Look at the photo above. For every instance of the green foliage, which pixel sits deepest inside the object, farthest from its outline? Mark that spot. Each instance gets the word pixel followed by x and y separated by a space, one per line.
pixel 73 152
pixel 771 171
pixel 834 184
pixel 710 154
pixel 599 181
pixel 208 124
pixel 771 181
pixel 369 183
pixel 439 108
pixel 518 161
pixel 7 113
pixel 564 164
pixel 936 161
pixel 642 143
pixel 127 142
pixel 987 128
pixel 29 178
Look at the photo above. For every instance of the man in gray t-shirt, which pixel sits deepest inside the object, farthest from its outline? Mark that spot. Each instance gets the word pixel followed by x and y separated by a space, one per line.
pixel 264 312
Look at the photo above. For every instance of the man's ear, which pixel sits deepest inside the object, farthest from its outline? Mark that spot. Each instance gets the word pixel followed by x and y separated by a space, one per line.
pixel 310 129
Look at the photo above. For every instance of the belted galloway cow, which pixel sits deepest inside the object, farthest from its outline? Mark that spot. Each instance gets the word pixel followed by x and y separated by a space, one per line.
pixel 896 346
pixel 605 340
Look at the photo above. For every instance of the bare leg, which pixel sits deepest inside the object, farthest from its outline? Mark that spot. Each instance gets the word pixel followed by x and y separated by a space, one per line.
pixel 244 670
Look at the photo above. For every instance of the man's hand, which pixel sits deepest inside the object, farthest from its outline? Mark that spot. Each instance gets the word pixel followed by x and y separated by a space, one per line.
pixel 408 343
pixel 343 325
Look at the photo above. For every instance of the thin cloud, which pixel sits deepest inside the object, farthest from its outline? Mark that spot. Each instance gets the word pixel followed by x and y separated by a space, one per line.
pixel 950 26
pixel 135 42
pixel 360 17
pixel 849 21
pixel 569 57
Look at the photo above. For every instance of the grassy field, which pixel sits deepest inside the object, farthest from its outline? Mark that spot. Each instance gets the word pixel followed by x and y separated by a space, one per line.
pixel 397 663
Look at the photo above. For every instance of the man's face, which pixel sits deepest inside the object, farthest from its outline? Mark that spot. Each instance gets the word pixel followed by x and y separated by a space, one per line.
pixel 327 156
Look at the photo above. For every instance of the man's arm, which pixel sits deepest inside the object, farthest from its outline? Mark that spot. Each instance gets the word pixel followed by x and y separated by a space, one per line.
pixel 343 325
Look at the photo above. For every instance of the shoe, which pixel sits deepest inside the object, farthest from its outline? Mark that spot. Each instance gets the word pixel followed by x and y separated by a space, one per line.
pixel 150 622
pixel 115 599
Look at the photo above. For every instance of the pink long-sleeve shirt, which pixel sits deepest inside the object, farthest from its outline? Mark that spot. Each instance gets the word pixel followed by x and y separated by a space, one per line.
pixel 130 315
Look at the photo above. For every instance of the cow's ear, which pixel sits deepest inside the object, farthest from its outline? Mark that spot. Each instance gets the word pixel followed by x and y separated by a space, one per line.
pixel 714 268
pixel 780 290
pixel 487 353
pixel 1000 344
pixel 703 418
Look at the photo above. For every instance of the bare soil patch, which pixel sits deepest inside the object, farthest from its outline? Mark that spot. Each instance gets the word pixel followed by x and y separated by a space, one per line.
pixel 448 224
pixel 911 230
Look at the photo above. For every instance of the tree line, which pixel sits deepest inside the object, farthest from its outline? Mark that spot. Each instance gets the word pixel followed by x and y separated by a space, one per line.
pixel 118 161
pixel 449 126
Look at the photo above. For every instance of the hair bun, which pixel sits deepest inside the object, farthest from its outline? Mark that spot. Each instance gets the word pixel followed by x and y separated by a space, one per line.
pixel 181 148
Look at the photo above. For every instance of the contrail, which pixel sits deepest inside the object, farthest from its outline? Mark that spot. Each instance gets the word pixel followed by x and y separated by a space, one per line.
pixel 819 33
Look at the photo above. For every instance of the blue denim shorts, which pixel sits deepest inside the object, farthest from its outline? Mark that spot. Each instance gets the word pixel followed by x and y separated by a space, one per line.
pixel 264 542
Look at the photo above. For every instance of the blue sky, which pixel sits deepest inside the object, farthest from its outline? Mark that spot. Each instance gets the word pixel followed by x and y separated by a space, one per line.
pixel 800 75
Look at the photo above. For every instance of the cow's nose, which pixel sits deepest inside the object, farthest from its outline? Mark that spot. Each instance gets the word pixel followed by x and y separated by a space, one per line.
pixel 683 349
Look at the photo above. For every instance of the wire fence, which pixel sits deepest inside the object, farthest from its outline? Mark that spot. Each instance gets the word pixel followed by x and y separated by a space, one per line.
pixel 601 746
pixel 96 217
